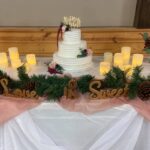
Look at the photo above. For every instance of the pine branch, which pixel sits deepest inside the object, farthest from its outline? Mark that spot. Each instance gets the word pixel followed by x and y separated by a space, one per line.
pixel 115 78
pixel 23 76
pixel 135 81
pixel 83 83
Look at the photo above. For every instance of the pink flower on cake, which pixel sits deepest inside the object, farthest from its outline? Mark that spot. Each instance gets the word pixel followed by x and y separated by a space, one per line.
pixel 55 68
pixel 89 52
pixel 52 65
pixel 63 28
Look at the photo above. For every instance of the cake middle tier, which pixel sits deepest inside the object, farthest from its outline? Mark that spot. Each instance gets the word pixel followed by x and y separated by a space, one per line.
pixel 70 50
pixel 73 64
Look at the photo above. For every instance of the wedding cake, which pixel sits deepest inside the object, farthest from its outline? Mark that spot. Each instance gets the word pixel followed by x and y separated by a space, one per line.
pixel 72 53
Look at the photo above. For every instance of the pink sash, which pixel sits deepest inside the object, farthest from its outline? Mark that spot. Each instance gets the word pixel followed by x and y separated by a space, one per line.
pixel 83 104
pixel 11 107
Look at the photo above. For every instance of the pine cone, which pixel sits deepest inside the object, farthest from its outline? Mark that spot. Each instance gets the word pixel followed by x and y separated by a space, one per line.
pixel 144 91
pixel 1 88
pixel 147 43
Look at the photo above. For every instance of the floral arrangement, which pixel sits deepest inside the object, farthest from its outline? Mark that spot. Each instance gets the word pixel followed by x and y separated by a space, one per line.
pixel 55 68
pixel 84 53
pixel 146 38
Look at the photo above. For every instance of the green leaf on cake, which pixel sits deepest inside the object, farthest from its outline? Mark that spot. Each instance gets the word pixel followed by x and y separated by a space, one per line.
pixel 145 35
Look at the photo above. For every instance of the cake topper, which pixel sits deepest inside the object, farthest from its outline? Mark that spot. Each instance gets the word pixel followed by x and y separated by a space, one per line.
pixel 73 22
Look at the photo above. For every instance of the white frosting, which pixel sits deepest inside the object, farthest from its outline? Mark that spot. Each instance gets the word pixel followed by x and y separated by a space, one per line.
pixel 72 37
pixel 73 64
pixel 70 50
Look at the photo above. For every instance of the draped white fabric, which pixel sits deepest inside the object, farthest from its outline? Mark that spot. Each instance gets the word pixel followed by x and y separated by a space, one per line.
pixel 50 127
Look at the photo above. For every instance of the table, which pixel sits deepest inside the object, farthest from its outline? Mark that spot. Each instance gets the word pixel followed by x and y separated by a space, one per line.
pixel 50 127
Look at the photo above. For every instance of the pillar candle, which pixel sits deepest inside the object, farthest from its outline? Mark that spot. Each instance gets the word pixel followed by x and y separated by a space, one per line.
pixel 108 57
pixel 118 60
pixel 126 51
pixel 16 63
pixel 31 59
pixel 104 67
pixel 137 60
pixel 3 60
pixel 13 53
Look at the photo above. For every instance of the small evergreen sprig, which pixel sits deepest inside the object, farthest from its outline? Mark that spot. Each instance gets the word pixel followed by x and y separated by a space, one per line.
pixel 84 53
pixel 23 76
pixel 135 81
pixel 83 83
pixel 115 78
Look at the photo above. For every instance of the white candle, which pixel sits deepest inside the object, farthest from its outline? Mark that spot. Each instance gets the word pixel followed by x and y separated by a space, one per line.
pixel 16 63
pixel 13 53
pixel 104 67
pixel 118 60
pixel 137 60
pixel 126 51
pixel 3 60
pixel 108 57
pixel 31 59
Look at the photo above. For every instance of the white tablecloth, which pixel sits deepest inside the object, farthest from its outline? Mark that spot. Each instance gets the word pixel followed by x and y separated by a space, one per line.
pixel 50 127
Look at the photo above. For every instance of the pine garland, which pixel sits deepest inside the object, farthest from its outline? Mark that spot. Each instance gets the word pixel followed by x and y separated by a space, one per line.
pixel 52 87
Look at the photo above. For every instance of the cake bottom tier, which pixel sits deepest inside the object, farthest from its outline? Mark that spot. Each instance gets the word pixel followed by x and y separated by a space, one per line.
pixel 73 64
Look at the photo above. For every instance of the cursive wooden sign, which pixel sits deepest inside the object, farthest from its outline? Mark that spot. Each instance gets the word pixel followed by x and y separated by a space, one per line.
pixel 70 91
pixel 96 92
pixel 17 92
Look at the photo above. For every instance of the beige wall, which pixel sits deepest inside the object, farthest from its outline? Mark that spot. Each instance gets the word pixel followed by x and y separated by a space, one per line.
pixel 50 12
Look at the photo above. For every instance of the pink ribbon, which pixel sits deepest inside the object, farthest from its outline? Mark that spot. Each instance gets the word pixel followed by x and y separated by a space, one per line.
pixel 87 106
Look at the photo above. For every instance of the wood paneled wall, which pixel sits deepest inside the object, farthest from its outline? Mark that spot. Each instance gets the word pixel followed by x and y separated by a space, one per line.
pixel 42 41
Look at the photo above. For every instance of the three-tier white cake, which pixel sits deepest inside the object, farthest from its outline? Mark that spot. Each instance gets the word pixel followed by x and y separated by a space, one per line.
pixel 68 50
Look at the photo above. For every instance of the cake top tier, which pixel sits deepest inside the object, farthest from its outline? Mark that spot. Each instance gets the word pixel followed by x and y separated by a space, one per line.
pixel 72 36
pixel 69 30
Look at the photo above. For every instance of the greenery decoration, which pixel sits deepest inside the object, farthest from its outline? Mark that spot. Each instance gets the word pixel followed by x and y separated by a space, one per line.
pixel 52 87
pixel 116 78
pixel 135 81
pixel 83 83
pixel 83 53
